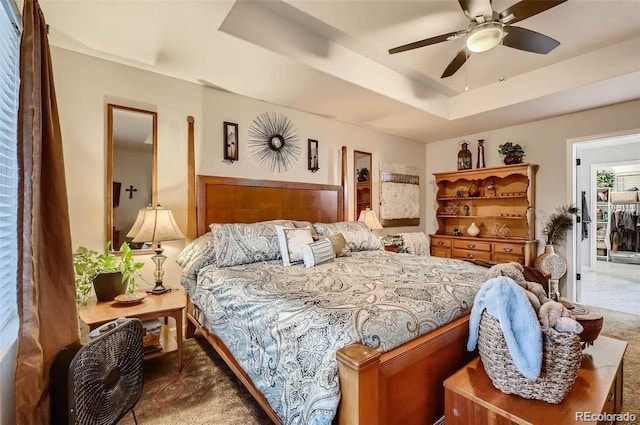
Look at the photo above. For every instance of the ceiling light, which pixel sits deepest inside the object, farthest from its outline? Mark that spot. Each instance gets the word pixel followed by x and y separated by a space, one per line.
pixel 485 37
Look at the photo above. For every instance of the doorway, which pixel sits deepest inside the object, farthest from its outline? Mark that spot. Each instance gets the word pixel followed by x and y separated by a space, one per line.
pixel 603 279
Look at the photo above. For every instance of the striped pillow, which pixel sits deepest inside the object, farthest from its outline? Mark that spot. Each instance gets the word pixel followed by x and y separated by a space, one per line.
pixel 317 253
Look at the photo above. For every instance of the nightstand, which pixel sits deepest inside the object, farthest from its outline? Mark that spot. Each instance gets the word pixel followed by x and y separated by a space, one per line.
pixel 170 304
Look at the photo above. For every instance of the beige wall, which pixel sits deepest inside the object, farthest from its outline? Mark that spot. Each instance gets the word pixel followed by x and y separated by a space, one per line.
pixel 84 86
pixel 545 143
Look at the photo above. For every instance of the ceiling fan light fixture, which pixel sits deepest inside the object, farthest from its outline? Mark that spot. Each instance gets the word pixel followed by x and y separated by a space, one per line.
pixel 485 37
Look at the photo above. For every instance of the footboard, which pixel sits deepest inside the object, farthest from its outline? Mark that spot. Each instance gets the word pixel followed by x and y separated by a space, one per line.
pixel 404 385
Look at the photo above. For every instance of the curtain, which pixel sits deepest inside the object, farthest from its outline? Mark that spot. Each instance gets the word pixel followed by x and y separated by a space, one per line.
pixel 46 288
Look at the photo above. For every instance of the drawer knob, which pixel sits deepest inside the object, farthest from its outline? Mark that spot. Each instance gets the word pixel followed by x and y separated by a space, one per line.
pixel 440 243
pixel 470 245
pixel 470 255
pixel 508 249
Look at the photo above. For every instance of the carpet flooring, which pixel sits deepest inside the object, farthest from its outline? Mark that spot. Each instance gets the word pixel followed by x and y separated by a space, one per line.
pixel 213 396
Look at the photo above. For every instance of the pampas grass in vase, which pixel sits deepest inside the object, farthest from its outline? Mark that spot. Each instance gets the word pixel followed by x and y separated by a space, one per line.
pixel 555 230
pixel 559 223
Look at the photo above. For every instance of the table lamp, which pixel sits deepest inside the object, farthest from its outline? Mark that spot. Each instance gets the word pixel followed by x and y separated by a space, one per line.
pixel 370 218
pixel 156 225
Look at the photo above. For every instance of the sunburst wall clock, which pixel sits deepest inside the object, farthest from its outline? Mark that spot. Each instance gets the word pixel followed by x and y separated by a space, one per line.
pixel 274 142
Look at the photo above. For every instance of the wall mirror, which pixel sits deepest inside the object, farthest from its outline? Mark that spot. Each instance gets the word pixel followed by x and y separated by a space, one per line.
pixel 362 169
pixel 132 147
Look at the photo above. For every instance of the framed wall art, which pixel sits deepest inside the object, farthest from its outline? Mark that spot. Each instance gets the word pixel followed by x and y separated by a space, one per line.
pixel 230 141
pixel 313 155
pixel 274 141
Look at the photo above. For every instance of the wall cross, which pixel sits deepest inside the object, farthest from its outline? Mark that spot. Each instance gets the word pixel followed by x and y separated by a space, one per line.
pixel 131 189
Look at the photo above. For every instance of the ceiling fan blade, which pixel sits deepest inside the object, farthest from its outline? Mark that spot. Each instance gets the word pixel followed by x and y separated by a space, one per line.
pixel 526 9
pixel 529 41
pixel 425 42
pixel 456 63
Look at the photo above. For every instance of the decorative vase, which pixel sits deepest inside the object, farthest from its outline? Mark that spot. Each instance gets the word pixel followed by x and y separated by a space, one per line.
pixel 108 286
pixel 551 263
pixel 473 230
pixel 512 159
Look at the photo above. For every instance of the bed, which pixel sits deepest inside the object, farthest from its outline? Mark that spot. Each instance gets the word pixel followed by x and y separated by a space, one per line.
pixel 381 378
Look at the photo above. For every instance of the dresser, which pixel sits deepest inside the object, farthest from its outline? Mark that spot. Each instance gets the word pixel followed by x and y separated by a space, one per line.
pixel 499 201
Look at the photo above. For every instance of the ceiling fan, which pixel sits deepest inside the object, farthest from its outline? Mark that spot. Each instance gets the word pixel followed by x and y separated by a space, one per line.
pixel 489 28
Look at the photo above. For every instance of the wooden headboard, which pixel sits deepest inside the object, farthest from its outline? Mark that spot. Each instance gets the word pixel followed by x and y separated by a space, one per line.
pixel 233 200
pixel 212 199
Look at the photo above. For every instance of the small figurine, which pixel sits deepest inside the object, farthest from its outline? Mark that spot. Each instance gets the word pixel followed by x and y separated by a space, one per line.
pixel 466 209
pixel 456 231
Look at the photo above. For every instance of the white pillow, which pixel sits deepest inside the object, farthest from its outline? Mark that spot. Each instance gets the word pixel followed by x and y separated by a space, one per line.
pixel 317 253
pixel 291 241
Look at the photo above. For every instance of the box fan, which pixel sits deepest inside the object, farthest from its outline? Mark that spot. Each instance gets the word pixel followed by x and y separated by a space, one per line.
pixel 98 382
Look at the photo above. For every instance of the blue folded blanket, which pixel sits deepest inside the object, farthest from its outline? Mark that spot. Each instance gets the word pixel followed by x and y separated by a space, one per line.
pixel 507 302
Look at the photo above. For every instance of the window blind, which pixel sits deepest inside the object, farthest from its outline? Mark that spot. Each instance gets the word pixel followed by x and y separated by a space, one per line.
pixel 9 86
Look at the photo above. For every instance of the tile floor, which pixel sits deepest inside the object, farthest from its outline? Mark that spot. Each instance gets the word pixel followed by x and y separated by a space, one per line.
pixel 614 286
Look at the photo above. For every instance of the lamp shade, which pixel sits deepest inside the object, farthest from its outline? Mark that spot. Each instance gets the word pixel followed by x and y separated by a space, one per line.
pixel 157 225
pixel 370 218
pixel 138 223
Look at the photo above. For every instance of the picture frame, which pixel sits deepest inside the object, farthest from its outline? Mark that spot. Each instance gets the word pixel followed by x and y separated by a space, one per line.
pixel 313 155
pixel 231 146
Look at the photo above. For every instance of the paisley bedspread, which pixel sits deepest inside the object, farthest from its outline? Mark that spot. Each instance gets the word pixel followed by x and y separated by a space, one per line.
pixel 285 324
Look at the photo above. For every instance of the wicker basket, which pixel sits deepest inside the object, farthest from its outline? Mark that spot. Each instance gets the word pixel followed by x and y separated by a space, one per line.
pixel 561 356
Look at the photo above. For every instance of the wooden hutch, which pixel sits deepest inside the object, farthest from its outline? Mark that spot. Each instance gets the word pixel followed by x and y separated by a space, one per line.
pixel 500 201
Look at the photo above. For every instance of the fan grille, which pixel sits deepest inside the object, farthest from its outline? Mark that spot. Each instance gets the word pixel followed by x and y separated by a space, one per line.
pixel 107 375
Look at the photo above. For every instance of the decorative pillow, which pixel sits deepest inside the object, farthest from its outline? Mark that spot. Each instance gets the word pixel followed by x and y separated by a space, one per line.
pixel 197 254
pixel 291 241
pixel 317 253
pixel 240 243
pixel 340 246
pixel 303 225
pixel 356 233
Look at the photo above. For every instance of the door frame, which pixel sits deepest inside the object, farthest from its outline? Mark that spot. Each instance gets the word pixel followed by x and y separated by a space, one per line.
pixel 574 288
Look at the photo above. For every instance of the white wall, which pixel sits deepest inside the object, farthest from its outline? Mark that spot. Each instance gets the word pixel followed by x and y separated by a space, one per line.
pixel 545 143
pixel 84 85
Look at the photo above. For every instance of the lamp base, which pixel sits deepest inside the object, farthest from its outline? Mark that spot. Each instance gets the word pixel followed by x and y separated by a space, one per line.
pixel 159 289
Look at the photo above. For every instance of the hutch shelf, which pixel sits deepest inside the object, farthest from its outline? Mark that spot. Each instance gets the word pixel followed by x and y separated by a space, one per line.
pixel 500 201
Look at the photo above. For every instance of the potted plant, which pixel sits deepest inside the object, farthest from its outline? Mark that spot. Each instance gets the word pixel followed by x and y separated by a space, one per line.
pixel 605 178
pixel 513 153
pixel 363 174
pixel 109 274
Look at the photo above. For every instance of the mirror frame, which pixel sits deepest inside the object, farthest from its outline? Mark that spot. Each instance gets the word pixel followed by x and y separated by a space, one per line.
pixel 355 181
pixel 109 180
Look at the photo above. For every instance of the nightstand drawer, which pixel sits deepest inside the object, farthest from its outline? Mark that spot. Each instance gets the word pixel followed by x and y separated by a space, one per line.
pixel 467 253
pixel 474 245
pixel 508 248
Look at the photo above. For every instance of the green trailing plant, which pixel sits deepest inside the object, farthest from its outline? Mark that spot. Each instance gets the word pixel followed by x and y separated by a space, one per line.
pixel 559 223
pixel 605 178
pixel 88 264
pixel 509 148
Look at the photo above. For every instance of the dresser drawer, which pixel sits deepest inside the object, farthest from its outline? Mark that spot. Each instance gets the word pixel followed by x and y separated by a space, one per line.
pixel 499 257
pixel 467 253
pixel 474 245
pixel 441 252
pixel 508 248
pixel 440 242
